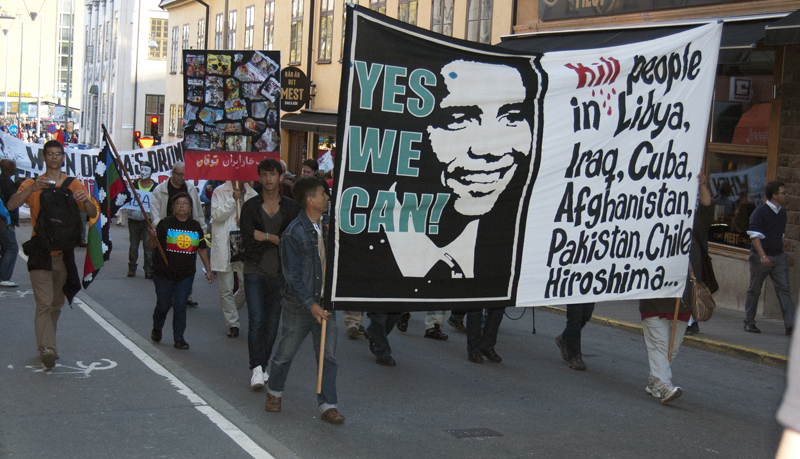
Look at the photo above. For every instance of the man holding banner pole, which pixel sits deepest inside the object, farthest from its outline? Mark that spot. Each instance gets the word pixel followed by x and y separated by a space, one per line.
pixel 303 255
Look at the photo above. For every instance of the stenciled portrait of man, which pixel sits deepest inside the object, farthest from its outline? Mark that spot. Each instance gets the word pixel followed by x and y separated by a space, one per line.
pixel 480 150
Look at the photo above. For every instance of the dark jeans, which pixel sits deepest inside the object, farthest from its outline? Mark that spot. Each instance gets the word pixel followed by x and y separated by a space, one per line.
pixel 779 273
pixel 577 316
pixel 380 325
pixel 263 316
pixel 483 338
pixel 137 229
pixel 8 250
pixel 171 294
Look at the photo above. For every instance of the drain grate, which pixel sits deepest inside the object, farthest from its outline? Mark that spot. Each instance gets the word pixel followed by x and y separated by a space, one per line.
pixel 473 433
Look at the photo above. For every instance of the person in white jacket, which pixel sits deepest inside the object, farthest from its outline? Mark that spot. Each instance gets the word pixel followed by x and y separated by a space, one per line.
pixel 224 202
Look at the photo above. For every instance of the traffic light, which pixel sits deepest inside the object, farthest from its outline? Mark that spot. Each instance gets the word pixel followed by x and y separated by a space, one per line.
pixel 154 122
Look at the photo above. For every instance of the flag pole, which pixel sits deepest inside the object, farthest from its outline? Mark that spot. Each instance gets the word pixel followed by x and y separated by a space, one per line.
pixel 674 327
pixel 129 184
pixel 321 356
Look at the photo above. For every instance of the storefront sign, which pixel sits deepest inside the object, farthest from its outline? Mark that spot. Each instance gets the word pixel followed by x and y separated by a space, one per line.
pixel 565 9
pixel 295 89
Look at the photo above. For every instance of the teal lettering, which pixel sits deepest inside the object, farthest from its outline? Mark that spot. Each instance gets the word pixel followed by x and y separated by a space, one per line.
pixel 417 212
pixel 360 154
pixel 367 80
pixel 359 221
pixel 391 89
pixel 383 212
pixel 406 154
pixel 423 106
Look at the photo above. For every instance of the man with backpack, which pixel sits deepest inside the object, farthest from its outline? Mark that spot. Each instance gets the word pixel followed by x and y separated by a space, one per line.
pixel 55 201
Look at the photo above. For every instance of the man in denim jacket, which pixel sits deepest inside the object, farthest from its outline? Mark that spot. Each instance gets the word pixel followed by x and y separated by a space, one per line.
pixel 303 253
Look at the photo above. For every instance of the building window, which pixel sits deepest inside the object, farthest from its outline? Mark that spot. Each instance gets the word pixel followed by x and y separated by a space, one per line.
pixel 378 5
pixel 295 50
pixel 269 24
pixel 737 149
pixel 180 121
pixel 479 21
pixel 64 48
pixel 325 30
pixel 218 31
pixel 442 17
pixel 185 43
pixel 159 30
pixel 173 65
pixel 201 34
pixel 99 36
pixel 407 11
pixel 232 29
pixel 249 22
pixel 154 106
pixel 107 40
pixel 172 112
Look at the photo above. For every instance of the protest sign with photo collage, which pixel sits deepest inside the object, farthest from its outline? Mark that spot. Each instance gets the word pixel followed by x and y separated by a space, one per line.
pixel 231 113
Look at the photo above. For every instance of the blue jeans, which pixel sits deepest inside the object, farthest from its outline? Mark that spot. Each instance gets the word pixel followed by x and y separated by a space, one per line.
pixel 297 323
pixel 380 325
pixel 8 251
pixel 263 298
pixel 482 337
pixel 171 294
pixel 779 273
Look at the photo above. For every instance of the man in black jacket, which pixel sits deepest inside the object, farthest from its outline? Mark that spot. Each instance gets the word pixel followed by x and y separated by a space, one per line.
pixel 263 221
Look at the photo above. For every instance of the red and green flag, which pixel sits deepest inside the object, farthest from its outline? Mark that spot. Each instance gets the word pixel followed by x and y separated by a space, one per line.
pixel 109 193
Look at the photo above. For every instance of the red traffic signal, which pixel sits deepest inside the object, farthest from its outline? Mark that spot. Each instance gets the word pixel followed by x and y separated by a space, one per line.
pixel 137 134
pixel 154 125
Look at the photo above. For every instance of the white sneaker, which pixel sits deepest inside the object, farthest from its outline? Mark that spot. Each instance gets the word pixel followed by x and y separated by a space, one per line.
pixel 258 378
pixel 8 283
pixel 266 377
pixel 670 393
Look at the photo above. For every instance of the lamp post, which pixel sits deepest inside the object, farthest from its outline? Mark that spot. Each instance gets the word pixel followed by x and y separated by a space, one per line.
pixel 39 88
pixel 5 94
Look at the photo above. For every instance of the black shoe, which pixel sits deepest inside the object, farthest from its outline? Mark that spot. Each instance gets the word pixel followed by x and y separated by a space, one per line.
pixel 789 331
pixel 402 323
pixel 475 357
pixel 233 332
pixel 457 324
pixel 435 333
pixel 387 361
pixel 371 346
pixel 692 329
pixel 492 356
pixel 361 330
pixel 352 332
pixel 148 275
pixel 751 328
pixel 191 304
pixel 182 345
pixel 155 335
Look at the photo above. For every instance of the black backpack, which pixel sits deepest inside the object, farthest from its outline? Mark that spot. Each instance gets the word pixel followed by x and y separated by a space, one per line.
pixel 59 222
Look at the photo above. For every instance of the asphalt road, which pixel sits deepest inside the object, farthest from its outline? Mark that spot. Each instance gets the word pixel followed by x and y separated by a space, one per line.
pixel 116 394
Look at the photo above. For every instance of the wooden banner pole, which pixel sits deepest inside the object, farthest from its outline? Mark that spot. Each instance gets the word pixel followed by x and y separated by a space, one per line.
pixel 129 184
pixel 321 356
pixel 674 327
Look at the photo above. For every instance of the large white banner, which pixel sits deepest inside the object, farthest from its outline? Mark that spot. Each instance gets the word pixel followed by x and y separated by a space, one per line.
pixel 471 175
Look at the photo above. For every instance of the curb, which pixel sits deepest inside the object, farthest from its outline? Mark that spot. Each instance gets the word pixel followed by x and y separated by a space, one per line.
pixel 719 347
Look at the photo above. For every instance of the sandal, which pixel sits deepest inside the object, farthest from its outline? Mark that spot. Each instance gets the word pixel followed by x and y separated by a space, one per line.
pixel 181 344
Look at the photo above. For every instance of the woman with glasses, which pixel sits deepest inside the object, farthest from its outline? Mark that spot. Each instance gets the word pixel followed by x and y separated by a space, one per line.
pixel 181 237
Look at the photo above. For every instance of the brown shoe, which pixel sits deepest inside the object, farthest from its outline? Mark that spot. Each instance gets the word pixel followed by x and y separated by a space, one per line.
pixel 273 404
pixel 576 363
pixel 333 416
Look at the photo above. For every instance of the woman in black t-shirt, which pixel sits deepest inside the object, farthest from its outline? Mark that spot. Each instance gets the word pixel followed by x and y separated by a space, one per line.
pixel 181 237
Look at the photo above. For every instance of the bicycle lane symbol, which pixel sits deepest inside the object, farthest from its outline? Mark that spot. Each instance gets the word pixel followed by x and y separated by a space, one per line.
pixel 80 368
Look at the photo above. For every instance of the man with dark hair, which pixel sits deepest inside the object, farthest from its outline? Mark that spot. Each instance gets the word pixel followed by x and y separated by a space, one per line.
pixel 8 236
pixel 767 258
pixel 303 254
pixel 264 219
pixel 137 226
pixel 311 169
pixel 50 271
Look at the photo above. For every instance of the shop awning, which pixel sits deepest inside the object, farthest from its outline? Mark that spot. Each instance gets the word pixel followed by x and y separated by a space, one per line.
pixel 785 31
pixel 322 123
pixel 737 34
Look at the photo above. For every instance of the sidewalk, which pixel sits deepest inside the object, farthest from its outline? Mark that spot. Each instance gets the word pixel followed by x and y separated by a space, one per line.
pixel 722 334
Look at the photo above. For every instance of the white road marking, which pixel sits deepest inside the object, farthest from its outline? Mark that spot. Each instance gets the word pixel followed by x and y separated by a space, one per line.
pixel 79 368
pixel 227 427
pixel 241 439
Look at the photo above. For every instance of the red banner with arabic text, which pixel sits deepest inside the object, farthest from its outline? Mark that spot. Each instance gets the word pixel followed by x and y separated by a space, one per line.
pixel 225 165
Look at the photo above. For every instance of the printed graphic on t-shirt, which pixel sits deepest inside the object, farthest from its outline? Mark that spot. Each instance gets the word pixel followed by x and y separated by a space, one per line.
pixel 182 241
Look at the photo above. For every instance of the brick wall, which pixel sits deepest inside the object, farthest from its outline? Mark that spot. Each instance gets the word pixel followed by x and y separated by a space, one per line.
pixel 789 150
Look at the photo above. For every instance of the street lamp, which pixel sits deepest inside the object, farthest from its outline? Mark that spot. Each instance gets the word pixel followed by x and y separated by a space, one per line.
pixel 39 88
pixel 5 95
